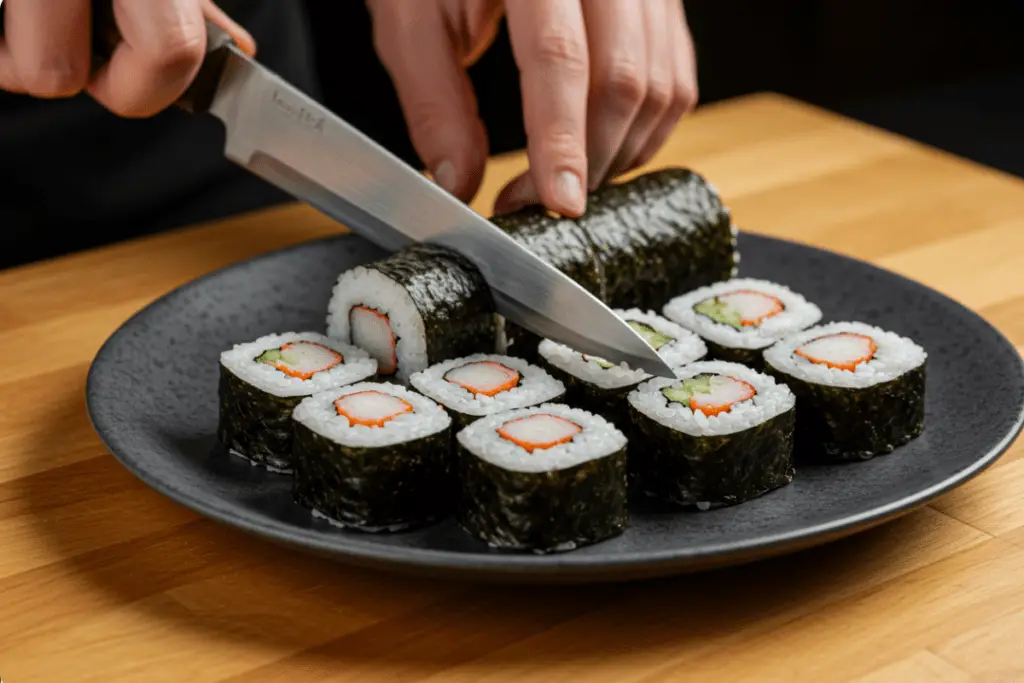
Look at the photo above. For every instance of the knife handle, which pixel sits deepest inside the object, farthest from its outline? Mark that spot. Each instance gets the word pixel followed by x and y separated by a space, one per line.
pixel 199 95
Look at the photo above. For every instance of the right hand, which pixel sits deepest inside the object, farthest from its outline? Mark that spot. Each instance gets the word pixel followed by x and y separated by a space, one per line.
pixel 46 51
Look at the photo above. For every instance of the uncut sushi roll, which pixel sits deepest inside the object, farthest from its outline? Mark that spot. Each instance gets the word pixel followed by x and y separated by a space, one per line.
pixel 262 381
pixel 720 434
pixel 483 384
pixel 543 479
pixel 740 317
pixel 419 306
pixel 860 390
pixel 374 457
pixel 601 387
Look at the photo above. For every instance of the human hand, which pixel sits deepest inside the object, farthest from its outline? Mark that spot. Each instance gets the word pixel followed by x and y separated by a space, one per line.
pixel 603 83
pixel 46 51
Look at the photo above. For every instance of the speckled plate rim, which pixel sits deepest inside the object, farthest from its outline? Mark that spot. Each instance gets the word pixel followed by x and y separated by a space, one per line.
pixel 524 566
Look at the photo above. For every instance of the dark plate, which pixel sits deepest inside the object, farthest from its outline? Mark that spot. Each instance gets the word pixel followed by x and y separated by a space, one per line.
pixel 152 397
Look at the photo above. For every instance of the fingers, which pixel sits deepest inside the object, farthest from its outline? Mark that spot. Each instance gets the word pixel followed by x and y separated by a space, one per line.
pixel 684 86
pixel 434 91
pixel 550 47
pixel 473 25
pixel 243 39
pixel 660 72
pixel 618 79
pixel 46 49
pixel 163 45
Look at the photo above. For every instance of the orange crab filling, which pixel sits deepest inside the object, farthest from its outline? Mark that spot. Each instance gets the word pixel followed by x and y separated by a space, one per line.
pixel 842 351
pixel 539 431
pixel 371 408
pixel 484 378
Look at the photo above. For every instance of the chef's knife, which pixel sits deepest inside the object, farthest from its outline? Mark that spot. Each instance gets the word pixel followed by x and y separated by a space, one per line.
pixel 288 139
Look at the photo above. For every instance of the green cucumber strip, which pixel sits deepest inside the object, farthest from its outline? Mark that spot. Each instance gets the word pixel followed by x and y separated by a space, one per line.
pixel 719 312
pixel 651 336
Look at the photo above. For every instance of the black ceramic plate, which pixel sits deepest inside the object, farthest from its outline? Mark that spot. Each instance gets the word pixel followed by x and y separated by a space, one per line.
pixel 152 397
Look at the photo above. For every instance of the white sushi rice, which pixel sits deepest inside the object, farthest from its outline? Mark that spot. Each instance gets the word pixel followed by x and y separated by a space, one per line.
pixel 598 439
pixel 362 286
pixel 686 348
pixel 535 386
pixel 896 355
pixel 356 365
pixel 317 412
pixel 771 399
pixel 798 313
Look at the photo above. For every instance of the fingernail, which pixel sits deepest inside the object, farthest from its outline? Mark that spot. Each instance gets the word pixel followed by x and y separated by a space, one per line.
pixel 444 174
pixel 570 190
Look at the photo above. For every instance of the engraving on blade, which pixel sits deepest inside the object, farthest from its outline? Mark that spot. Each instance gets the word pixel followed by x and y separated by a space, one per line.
pixel 295 140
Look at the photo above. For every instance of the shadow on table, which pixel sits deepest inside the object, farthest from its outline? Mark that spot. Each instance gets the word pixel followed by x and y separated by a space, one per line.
pixel 186 577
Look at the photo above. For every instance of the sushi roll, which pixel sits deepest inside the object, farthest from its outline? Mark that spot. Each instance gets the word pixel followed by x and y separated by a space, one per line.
pixel 483 384
pixel 419 306
pixel 741 317
pixel 719 435
pixel 542 479
pixel 374 457
pixel 658 234
pixel 262 381
pixel 860 390
pixel 600 386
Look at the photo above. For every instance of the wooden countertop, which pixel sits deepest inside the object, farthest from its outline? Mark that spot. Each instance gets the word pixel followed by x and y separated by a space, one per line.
pixel 102 579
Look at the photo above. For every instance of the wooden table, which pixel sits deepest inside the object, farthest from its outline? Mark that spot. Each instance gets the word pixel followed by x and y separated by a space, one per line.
pixel 101 579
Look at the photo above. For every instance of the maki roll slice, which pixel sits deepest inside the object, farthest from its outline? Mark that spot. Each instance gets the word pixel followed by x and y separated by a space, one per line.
pixel 718 435
pixel 860 390
pixel 659 234
pixel 543 479
pixel 741 317
pixel 373 457
pixel 484 384
pixel 262 381
pixel 601 387
pixel 419 306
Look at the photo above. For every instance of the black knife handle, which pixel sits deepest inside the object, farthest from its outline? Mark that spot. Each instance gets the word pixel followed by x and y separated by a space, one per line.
pixel 199 95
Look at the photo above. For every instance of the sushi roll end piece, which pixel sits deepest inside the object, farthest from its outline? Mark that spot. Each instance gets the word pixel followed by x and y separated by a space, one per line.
pixel 740 317
pixel 483 384
pixel 373 457
pixel 599 386
pixel 262 381
pixel 720 434
pixel 544 479
pixel 860 390
pixel 419 306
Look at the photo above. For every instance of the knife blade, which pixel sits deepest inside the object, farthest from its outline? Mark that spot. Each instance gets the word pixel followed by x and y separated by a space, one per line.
pixel 288 139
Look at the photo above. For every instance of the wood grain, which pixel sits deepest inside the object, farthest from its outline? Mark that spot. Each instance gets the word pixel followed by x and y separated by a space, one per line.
pixel 102 579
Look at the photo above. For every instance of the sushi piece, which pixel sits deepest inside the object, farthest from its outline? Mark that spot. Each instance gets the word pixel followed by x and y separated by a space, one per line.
pixel 543 479
pixel 262 381
pixel 741 317
pixel 374 457
pixel 484 384
pixel 601 387
pixel 719 435
pixel 419 306
pixel 659 234
pixel 860 390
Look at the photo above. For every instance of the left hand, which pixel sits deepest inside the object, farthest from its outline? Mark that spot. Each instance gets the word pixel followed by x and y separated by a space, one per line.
pixel 604 83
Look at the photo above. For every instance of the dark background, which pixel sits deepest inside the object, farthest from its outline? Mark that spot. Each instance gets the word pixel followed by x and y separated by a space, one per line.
pixel 947 72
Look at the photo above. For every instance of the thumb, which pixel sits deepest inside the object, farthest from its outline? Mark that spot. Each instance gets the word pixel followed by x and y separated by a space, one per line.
pixel 434 91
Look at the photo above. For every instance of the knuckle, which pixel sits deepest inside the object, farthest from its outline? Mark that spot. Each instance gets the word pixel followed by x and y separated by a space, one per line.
pixel 54 80
pixel 566 146
pixel 660 92
pixel 562 52
pixel 180 50
pixel 624 81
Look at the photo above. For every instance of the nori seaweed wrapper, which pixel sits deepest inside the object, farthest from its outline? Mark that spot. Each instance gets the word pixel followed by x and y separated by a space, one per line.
pixel 678 469
pixel 837 424
pixel 451 296
pixel 560 242
pixel 611 404
pixel 389 488
pixel 543 512
pixel 658 235
pixel 752 358
pixel 255 423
